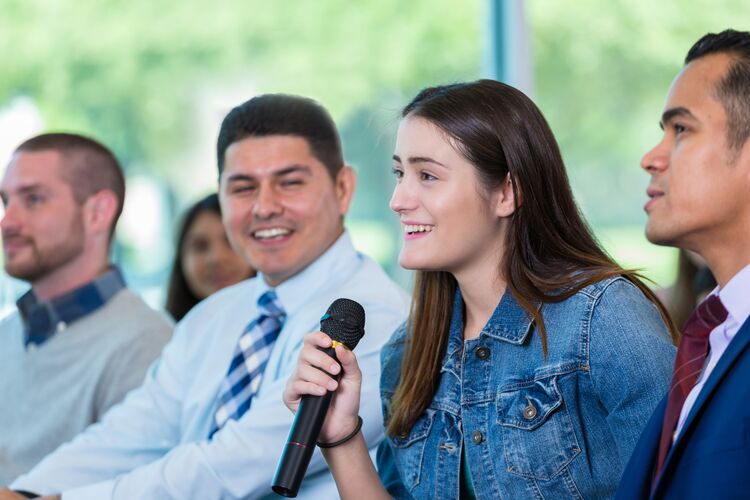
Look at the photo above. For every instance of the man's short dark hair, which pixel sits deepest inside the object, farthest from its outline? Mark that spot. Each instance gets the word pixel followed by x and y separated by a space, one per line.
pixel 281 114
pixel 733 90
pixel 88 166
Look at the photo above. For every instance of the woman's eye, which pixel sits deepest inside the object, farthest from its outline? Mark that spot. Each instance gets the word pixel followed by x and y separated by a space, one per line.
pixel 198 246
pixel 397 172
pixel 426 176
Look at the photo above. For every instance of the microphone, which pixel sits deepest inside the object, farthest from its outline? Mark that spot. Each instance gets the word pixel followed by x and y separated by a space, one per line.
pixel 344 322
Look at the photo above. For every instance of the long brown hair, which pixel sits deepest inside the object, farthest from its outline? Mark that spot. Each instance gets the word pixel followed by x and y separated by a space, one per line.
pixel 550 251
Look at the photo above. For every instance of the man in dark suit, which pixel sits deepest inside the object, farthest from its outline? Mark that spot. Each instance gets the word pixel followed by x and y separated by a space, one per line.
pixel 697 444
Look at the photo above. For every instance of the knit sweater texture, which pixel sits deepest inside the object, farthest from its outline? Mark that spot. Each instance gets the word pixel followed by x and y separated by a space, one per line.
pixel 51 392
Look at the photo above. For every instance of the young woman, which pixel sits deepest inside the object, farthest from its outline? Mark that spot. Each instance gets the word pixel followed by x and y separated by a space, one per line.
pixel 530 361
pixel 204 261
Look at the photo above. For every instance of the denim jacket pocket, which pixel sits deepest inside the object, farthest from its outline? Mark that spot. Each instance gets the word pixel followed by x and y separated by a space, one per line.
pixel 537 432
pixel 408 450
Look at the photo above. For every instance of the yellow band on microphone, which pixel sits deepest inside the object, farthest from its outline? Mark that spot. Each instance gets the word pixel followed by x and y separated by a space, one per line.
pixel 334 343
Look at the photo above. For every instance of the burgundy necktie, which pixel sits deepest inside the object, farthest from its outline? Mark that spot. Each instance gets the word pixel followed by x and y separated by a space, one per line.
pixel 690 358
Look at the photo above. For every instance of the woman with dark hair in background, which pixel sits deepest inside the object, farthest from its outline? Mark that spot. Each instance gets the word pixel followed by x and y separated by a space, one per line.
pixel 530 361
pixel 204 260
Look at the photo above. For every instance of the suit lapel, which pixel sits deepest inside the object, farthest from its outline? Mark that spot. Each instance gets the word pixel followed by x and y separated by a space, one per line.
pixel 735 348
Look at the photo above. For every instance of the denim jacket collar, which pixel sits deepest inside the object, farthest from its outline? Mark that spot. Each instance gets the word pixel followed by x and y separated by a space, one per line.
pixel 509 322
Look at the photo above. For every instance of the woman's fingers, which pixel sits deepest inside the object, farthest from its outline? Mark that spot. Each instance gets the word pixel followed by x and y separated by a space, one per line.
pixel 306 380
pixel 308 373
pixel 317 339
pixel 316 370
pixel 312 356
pixel 302 388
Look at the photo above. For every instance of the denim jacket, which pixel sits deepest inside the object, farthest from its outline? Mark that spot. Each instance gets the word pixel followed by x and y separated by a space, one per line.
pixel 534 427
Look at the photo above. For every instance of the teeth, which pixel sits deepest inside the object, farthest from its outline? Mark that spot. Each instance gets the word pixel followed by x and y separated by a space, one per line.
pixel 271 233
pixel 413 228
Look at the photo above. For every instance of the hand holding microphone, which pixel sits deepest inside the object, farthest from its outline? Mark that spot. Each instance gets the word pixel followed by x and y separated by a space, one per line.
pixel 309 392
pixel 318 373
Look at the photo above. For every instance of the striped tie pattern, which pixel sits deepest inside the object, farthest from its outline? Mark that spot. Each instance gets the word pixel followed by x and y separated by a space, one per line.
pixel 249 360
pixel 691 356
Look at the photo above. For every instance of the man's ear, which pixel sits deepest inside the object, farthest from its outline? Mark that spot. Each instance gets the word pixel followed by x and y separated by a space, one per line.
pixel 742 159
pixel 99 211
pixel 505 199
pixel 345 184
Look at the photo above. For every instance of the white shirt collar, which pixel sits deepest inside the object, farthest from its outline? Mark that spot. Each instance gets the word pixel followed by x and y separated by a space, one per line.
pixel 338 260
pixel 735 295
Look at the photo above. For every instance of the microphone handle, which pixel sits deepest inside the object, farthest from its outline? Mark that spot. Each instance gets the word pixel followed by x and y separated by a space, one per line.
pixel 301 441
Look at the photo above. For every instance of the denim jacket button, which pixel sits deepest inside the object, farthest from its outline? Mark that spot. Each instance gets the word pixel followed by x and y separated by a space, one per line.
pixel 530 411
pixel 477 437
pixel 482 353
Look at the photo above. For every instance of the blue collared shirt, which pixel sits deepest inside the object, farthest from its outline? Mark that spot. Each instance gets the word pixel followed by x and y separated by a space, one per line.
pixel 155 445
pixel 43 318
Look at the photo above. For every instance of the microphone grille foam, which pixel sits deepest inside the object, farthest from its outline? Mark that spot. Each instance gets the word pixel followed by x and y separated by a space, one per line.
pixel 344 322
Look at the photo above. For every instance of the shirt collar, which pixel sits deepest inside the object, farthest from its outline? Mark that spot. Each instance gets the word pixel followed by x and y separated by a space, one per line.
pixel 339 260
pixel 509 321
pixel 43 318
pixel 734 295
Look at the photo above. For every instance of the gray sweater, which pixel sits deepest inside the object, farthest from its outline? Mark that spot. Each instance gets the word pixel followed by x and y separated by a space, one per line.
pixel 51 392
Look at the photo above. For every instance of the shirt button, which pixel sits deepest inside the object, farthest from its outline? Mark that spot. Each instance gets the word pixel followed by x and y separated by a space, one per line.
pixel 477 437
pixel 482 353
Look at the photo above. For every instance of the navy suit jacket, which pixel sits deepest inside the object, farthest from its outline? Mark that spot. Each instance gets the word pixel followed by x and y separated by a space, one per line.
pixel 711 457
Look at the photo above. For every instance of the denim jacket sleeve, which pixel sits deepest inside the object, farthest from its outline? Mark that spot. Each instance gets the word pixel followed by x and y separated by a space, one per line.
pixel 630 357
pixel 390 360
pixel 389 474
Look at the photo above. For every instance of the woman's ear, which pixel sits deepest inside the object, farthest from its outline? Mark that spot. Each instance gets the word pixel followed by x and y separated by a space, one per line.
pixel 505 200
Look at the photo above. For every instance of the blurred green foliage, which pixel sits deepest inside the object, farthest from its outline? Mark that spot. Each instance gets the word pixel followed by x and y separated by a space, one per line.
pixel 134 73
pixel 129 71
pixel 602 71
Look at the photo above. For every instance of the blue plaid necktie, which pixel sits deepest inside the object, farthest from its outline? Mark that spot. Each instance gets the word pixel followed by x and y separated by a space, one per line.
pixel 250 358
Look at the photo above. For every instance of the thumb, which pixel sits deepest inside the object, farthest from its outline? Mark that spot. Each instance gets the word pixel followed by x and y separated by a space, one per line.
pixel 348 361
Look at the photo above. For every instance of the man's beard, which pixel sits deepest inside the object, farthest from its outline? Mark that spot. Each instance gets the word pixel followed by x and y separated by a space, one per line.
pixel 43 261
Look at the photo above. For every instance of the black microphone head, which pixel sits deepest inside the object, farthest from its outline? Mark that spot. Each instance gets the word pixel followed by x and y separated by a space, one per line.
pixel 344 322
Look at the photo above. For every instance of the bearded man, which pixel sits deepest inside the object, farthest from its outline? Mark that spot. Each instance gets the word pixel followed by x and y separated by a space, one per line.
pixel 79 339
